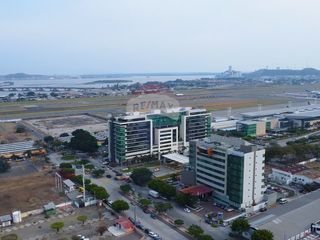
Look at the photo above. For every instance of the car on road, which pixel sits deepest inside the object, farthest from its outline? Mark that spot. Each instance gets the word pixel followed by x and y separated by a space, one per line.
pixel 186 210
pixel 139 225
pixel 153 216
pixel 83 237
pixel 108 176
pixel 283 200
pixel 263 209
pixel 145 210
pixel 152 234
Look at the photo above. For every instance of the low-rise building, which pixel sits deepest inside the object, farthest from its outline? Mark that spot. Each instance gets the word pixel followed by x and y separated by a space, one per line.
pixel 299 174
pixel 5 220
pixel 68 185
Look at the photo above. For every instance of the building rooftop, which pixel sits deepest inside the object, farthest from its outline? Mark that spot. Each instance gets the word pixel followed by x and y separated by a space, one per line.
pixel 125 223
pixel 176 157
pixel 49 206
pixel 228 142
pixel 278 111
pixel 197 190
pixel 304 115
pixel 17 147
pixel 134 115
pixel 5 218
pixel 68 183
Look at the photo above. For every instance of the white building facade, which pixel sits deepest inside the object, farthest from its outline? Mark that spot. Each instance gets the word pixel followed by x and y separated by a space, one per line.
pixel 233 169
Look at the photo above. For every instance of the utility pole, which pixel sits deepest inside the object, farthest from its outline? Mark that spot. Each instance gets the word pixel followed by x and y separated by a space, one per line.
pixel 83 185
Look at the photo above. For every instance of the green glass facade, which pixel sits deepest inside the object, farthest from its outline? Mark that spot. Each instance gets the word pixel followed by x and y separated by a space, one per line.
pixel 235 171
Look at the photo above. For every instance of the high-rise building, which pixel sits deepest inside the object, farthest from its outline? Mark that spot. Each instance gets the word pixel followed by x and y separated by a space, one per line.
pixel 137 134
pixel 232 167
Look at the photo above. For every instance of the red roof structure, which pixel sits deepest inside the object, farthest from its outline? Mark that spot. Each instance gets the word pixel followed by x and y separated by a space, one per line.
pixel 197 190
pixel 125 224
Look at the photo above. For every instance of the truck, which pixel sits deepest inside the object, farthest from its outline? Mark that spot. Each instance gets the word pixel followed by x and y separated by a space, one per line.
pixel 153 193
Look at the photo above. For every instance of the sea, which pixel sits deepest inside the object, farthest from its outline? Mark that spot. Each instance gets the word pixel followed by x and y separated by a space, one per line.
pixel 83 82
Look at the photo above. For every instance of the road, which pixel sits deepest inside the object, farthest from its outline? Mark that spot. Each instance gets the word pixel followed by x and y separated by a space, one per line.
pixel 283 142
pixel 176 213
pixel 283 209
pixel 166 232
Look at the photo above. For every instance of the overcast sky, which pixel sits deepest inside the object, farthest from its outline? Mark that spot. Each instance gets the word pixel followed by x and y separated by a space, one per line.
pixel 122 36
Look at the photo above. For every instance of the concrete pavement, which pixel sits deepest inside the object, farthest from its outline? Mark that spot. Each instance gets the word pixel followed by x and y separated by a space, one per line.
pixel 166 232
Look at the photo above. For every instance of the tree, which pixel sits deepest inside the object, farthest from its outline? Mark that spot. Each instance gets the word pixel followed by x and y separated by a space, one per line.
pixel 98 173
pixel 145 202
pixel 20 129
pixel 65 165
pixel 4 165
pixel 120 205
pixel 125 188
pixel 162 207
pixel 141 176
pixel 240 225
pixel 162 187
pixel 99 192
pixel 101 228
pixel 74 237
pixel 57 226
pixel 82 218
pixel 262 234
pixel 48 139
pixel 178 222
pixel 195 231
pixel 89 166
pixel 186 199
pixel 205 237
pixel 31 94
pixel 82 140
pixel 11 236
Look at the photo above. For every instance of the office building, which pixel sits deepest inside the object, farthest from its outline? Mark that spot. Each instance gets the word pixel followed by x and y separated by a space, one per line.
pixel 158 132
pixel 232 167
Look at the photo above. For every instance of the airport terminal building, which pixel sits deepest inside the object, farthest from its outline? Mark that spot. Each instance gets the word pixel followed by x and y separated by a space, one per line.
pixel 161 131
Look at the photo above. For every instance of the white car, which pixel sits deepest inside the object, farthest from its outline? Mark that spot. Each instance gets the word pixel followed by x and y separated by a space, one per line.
pixel 187 210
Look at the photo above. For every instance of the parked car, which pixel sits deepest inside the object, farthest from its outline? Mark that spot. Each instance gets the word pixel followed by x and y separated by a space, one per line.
pixel 153 216
pixel 263 209
pixel 108 176
pixel 152 234
pixel 186 210
pixel 283 200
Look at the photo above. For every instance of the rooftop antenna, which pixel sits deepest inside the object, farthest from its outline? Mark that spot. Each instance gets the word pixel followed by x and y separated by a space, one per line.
pixel 83 185
pixel 229 112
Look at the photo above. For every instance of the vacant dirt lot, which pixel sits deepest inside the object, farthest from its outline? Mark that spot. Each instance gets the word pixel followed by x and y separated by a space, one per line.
pixel 27 192
pixel 8 134
pixel 57 125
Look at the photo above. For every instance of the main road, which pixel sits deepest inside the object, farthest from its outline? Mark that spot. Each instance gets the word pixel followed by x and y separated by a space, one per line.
pixel 165 232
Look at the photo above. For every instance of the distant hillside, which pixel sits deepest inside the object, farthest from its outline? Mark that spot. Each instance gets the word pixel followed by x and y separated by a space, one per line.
pixel 283 72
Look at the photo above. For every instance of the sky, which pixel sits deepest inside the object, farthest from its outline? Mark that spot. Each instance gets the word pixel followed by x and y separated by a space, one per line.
pixel 128 36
